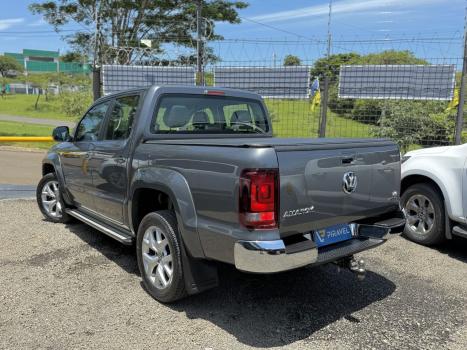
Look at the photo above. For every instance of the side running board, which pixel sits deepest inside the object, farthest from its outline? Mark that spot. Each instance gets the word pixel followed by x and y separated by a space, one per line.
pixel 109 231
pixel 459 231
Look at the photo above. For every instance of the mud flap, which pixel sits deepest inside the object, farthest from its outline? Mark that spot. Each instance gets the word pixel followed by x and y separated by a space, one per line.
pixel 199 274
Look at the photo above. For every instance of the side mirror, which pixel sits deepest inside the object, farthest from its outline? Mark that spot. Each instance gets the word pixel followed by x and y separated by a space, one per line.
pixel 61 134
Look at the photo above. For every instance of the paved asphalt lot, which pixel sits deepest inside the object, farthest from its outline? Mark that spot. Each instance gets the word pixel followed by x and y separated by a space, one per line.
pixel 41 121
pixel 20 171
pixel 20 166
pixel 72 287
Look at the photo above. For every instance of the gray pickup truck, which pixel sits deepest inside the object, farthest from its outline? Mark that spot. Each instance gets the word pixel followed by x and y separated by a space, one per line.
pixel 194 176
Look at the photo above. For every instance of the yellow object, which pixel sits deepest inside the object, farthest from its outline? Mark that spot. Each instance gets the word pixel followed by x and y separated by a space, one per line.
pixel 455 101
pixel 26 138
pixel 316 101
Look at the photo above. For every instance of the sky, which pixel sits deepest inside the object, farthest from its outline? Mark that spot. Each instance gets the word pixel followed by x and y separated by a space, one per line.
pixel 271 29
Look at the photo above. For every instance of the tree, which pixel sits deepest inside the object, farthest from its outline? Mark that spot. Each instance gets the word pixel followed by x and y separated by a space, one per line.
pixel 9 64
pixel 331 66
pixel 41 81
pixel 416 122
pixel 365 111
pixel 74 56
pixel 123 23
pixel 74 104
pixel 391 57
pixel 291 60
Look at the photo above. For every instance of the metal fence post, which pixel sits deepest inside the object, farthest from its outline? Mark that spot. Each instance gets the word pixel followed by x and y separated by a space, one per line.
pixel 324 97
pixel 199 44
pixel 97 59
pixel 460 106
pixel 324 108
pixel 96 83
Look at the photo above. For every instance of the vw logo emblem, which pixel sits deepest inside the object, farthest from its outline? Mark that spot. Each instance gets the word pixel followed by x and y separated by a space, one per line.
pixel 349 182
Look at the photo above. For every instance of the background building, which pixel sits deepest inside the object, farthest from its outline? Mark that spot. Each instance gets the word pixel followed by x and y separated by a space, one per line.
pixel 41 61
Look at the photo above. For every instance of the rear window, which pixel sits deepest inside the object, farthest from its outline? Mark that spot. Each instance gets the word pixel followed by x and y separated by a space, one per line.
pixel 206 114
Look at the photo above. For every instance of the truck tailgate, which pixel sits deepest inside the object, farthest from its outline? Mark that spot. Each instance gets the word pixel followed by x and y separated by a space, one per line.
pixel 333 184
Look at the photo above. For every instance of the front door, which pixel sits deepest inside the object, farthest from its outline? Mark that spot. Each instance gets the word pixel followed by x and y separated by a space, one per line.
pixel 109 159
pixel 76 158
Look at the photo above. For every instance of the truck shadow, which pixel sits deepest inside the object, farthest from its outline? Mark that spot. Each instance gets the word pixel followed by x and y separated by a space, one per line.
pixel 274 310
pixel 455 248
pixel 124 256
pixel 264 310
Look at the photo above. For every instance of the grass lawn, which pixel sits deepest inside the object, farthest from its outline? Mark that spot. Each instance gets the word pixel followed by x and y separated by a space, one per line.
pixel 294 118
pixel 24 129
pixel 23 105
pixel 291 118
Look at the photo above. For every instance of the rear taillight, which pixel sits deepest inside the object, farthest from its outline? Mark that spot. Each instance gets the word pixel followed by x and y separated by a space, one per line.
pixel 259 198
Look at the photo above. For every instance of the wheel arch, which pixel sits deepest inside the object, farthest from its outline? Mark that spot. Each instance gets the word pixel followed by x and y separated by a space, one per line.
pixel 147 199
pixel 416 178
pixel 47 168
pixel 413 179
pixel 165 189
pixel 51 164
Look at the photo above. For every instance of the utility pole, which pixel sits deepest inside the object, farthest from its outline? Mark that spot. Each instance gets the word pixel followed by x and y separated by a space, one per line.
pixel 460 106
pixel 96 74
pixel 324 96
pixel 199 43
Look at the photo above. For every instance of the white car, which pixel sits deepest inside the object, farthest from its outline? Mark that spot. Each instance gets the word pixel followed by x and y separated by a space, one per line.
pixel 434 193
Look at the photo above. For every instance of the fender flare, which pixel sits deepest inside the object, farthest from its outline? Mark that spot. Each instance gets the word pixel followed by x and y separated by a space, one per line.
pixel 176 187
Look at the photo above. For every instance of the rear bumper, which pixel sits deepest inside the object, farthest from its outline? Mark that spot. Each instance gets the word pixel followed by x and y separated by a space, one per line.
pixel 272 256
pixel 276 256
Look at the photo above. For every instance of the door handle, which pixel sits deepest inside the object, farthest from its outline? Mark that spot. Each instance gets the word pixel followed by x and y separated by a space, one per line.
pixel 348 160
pixel 87 155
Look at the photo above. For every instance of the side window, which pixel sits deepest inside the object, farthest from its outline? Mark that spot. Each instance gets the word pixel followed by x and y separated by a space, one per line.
pixel 121 118
pixel 89 127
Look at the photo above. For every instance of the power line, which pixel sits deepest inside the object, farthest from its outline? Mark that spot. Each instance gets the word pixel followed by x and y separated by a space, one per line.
pixel 38 31
pixel 275 28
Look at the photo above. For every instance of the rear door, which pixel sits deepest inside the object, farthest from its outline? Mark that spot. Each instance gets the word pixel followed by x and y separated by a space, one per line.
pixel 109 158
pixel 76 160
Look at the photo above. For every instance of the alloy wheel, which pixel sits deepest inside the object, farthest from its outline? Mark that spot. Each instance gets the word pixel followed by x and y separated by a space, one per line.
pixel 50 198
pixel 157 258
pixel 420 214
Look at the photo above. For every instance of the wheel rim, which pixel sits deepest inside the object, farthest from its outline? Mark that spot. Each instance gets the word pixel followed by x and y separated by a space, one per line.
pixel 420 214
pixel 157 258
pixel 50 197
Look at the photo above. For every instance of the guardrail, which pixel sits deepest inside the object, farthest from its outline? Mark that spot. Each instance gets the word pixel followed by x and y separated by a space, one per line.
pixel 26 138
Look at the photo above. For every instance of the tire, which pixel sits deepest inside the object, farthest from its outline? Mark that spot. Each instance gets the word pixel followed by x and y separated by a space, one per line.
pixel 424 207
pixel 48 192
pixel 157 239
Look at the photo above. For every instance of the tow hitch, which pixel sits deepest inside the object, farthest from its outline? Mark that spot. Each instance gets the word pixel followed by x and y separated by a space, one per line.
pixel 357 266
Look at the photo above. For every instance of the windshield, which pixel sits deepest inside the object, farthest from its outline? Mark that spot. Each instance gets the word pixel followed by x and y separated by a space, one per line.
pixel 207 114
